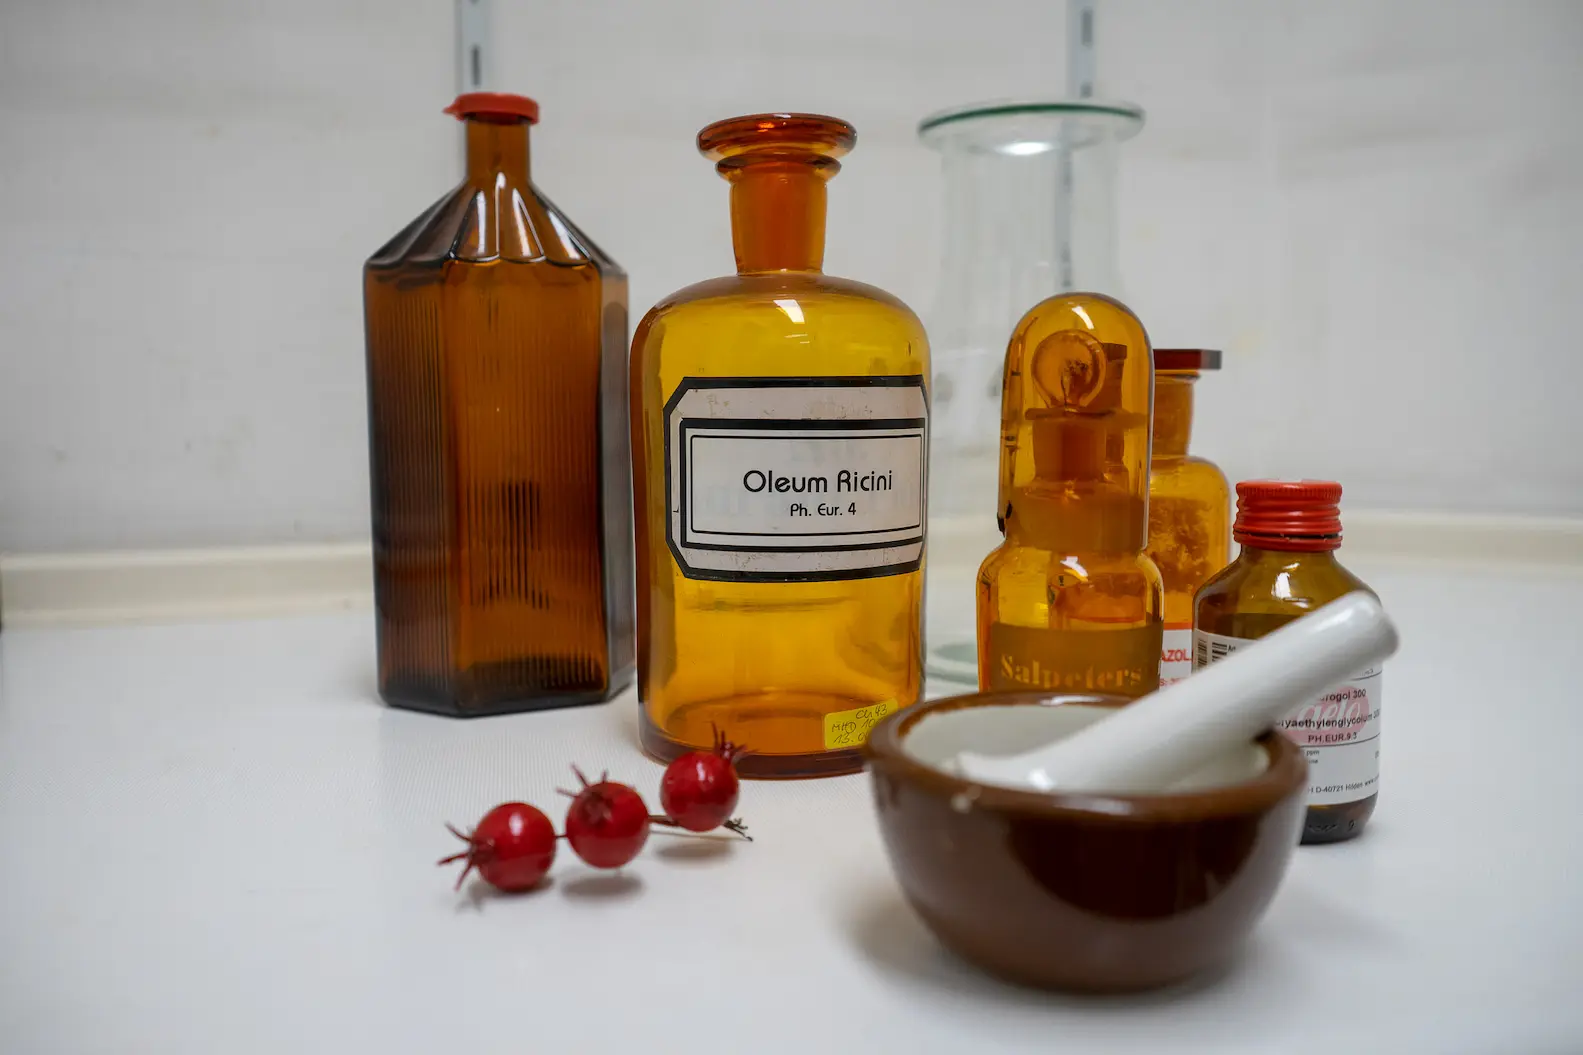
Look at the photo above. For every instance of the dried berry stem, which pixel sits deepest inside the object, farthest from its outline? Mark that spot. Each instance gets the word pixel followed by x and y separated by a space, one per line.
pixel 734 825
pixel 474 854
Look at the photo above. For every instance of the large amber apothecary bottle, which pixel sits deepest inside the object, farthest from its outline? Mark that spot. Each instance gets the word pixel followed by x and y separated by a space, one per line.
pixel 1189 504
pixel 780 441
pixel 496 338
pixel 1070 602
pixel 1289 531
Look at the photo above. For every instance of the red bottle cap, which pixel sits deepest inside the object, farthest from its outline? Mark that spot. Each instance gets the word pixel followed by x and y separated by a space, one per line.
pixel 1187 359
pixel 494 106
pixel 1303 516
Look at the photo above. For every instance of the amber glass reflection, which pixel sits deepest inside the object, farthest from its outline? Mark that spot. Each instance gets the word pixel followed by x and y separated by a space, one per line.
pixel 767 662
pixel 1070 601
pixel 1189 504
pixel 496 335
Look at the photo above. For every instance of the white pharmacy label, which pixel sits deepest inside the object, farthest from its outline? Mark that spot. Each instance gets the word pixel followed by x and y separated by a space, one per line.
pixel 1338 730
pixel 1176 654
pixel 796 479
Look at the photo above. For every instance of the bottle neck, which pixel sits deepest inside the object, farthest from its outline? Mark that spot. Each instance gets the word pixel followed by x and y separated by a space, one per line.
pixel 778 212
pixel 1099 521
pixel 1080 498
pixel 1285 558
pixel 495 147
pixel 1173 413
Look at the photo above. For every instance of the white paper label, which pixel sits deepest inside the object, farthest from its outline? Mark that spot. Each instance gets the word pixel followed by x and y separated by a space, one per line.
pixel 1339 730
pixel 1176 654
pixel 773 479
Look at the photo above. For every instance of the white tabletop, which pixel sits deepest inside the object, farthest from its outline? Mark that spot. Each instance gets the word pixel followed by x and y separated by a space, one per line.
pixel 213 839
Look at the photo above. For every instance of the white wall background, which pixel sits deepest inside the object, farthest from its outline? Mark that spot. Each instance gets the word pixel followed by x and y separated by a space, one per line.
pixel 1375 208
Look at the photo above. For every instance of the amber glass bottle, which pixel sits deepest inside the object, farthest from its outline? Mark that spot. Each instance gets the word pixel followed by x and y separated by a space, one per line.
pixel 1288 532
pixel 502 520
pixel 1189 504
pixel 1070 601
pixel 780 424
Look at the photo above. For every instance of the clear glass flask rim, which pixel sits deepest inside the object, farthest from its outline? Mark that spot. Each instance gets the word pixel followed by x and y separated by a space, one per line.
pixel 1024 127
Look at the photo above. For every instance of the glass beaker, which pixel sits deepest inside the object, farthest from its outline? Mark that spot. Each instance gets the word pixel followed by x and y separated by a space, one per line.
pixel 1030 211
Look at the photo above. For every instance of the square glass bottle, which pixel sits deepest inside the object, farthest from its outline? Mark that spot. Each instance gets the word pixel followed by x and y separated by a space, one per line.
pixel 496 335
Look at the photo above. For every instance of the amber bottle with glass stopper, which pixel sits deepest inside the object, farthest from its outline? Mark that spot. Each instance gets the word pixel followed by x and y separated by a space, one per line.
pixel 780 425
pixel 1189 504
pixel 1070 601
pixel 496 340
pixel 1289 532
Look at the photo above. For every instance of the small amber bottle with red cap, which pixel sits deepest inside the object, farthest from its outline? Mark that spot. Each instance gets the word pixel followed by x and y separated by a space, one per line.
pixel 1289 532
pixel 496 343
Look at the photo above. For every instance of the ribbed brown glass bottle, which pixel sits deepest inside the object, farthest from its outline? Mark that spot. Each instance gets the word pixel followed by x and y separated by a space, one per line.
pixel 498 444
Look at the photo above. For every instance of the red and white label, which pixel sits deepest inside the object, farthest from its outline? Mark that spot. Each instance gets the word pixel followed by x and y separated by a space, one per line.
pixel 1339 730
pixel 1176 653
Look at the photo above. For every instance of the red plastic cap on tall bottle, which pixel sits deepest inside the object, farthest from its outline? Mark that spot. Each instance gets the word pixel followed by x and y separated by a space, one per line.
pixel 494 106
pixel 1296 515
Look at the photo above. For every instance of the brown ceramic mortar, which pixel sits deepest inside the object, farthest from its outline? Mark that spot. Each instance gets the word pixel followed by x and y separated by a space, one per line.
pixel 1096 893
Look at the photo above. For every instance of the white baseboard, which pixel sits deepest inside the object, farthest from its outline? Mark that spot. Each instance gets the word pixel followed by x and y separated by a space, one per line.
pixel 169 585
pixel 1441 537
pixel 176 585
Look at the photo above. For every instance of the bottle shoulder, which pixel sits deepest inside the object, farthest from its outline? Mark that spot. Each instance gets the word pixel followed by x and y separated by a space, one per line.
pixel 1277 584
pixel 851 287
pixel 1188 472
pixel 509 223
pixel 1020 558
pixel 1022 585
pixel 778 304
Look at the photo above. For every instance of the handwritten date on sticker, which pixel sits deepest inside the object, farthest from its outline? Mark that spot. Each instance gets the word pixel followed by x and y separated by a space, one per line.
pixel 848 729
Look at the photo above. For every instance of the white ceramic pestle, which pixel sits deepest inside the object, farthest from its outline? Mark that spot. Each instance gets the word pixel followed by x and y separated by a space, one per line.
pixel 1149 745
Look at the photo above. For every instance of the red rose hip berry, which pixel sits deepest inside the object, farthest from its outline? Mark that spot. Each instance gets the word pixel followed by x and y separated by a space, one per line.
pixel 607 823
pixel 700 789
pixel 512 848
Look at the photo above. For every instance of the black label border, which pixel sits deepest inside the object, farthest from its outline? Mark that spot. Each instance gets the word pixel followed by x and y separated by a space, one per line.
pixel 690 384
pixel 786 425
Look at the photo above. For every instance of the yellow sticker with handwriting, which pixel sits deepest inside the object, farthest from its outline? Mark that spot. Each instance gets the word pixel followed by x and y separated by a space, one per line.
pixel 847 729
